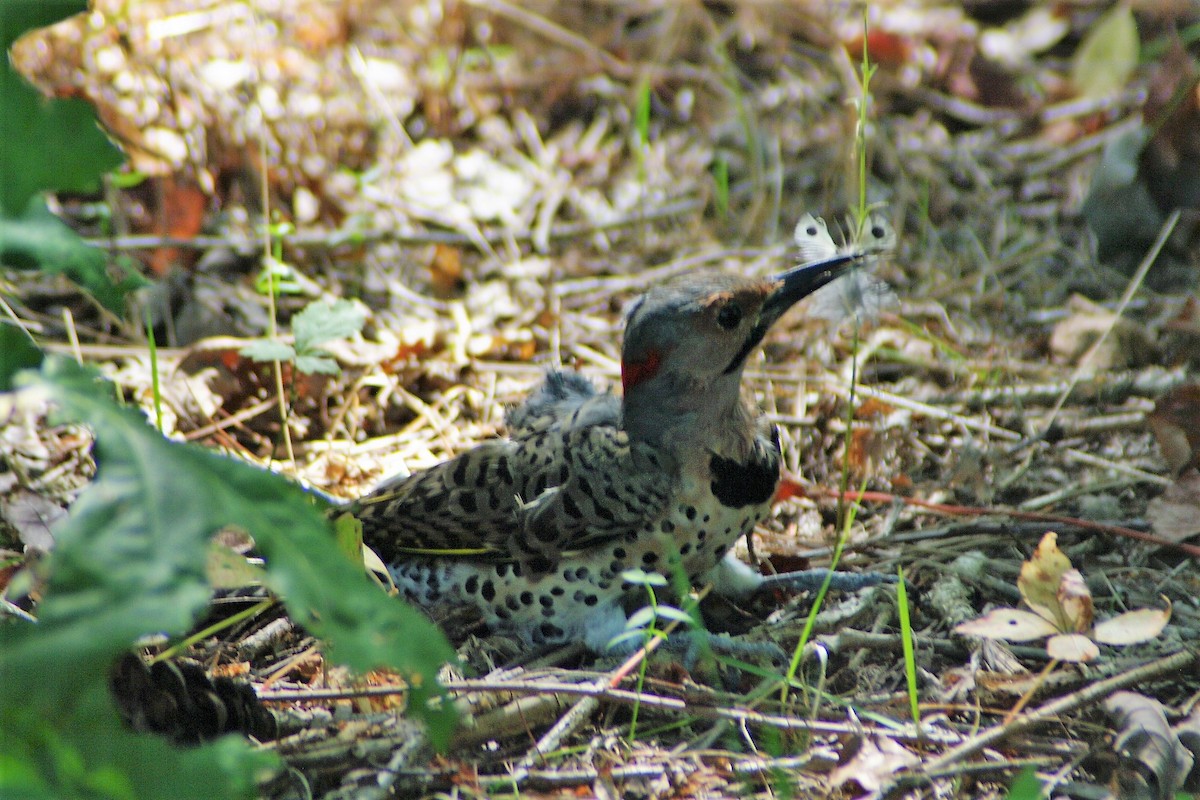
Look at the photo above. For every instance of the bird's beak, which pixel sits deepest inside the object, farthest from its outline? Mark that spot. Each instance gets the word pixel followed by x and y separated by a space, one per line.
pixel 799 282
pixel 790 287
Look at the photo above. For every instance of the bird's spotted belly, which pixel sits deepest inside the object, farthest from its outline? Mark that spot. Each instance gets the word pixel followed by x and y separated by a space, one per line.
pixel 584 596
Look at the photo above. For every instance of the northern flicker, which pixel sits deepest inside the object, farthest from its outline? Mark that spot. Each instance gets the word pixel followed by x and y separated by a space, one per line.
pixel 535 530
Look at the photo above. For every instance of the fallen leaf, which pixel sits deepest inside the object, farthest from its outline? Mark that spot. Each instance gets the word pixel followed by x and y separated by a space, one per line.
pixel 877 759
pixel 1170 166
pixel 1041 577
pixel 1075 600
pixel 1133 626
pixel 1175 514
pixel 446 271
pixel 1175 422
pixel 1035 31
pixel 32 516
pixel 1073 341
pixel 1183 341
pixel 1011 624
pixel 1074 647
pixel 1153 760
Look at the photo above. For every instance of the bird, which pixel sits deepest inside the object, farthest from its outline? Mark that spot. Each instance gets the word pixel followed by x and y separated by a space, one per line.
pixel 535 531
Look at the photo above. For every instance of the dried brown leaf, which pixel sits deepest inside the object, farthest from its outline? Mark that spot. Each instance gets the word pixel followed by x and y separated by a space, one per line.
pixel 1175 422
pixel 1075 600
pixel 1125 346
pixel 1175 514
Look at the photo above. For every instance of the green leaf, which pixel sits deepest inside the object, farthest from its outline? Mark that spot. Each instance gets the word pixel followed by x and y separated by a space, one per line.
pixel 18 16
pixel 672 613
pixel 320 322
pixel 268 350
pixel 1108 54
pixel 226 569
pixel 39 240
pixel 17 352
pixel 1026 786
pixel 91 754
pixel 639 577
pixel 638 636
pixel 312 364
pixel 277 277
pixel 642 618
pixel 348 531
pixel 130 561
pixel 44 144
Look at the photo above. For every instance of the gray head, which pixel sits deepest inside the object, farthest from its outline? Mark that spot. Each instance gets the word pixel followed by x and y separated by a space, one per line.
pixel 687 341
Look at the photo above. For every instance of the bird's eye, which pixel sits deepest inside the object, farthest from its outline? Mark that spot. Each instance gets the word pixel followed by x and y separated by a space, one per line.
pixel 730 316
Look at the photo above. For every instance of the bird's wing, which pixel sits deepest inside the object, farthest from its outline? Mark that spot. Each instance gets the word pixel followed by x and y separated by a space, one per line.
pixel 567 478
pixel 526 500
pixel 466 507
pixel 607 488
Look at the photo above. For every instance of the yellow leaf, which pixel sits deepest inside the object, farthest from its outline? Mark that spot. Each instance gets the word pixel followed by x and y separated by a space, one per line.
pixel 1108 54
pixel 1041 577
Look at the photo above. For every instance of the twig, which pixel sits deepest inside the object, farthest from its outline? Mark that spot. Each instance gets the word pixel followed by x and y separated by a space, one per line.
pixel 341 238
pixel 1035 516
pixel 997 431
pixel 557 34
pixel 249 412
pixel 1093 693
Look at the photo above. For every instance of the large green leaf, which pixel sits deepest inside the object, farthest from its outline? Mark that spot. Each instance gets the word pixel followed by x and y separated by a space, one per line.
pixel 44 144
pixel 17 352
pixel 40 240
pixel 18 16
pixel 89 753
pixel 130 561
pixel 48 145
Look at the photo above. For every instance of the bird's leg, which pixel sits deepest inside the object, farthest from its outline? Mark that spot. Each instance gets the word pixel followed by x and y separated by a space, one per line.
pixel 691 644
pixel 734 578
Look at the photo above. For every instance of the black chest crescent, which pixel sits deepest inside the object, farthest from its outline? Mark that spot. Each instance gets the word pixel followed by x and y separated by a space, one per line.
pixel 740 484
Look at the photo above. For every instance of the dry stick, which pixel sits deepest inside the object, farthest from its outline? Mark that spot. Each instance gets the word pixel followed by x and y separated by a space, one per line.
pixel 1134 284
pixel 579 712
pixel 265 200
pixel 997 431
pixel 600 691
pixel 358 65
pixel 979 511
pixel 338 238
pixel 1048 712
pixel 72 334
pixel 753 766
pixel 26 327
pixel 556 33
pixel 582 709
pixel 1146 383
pixel 233 419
